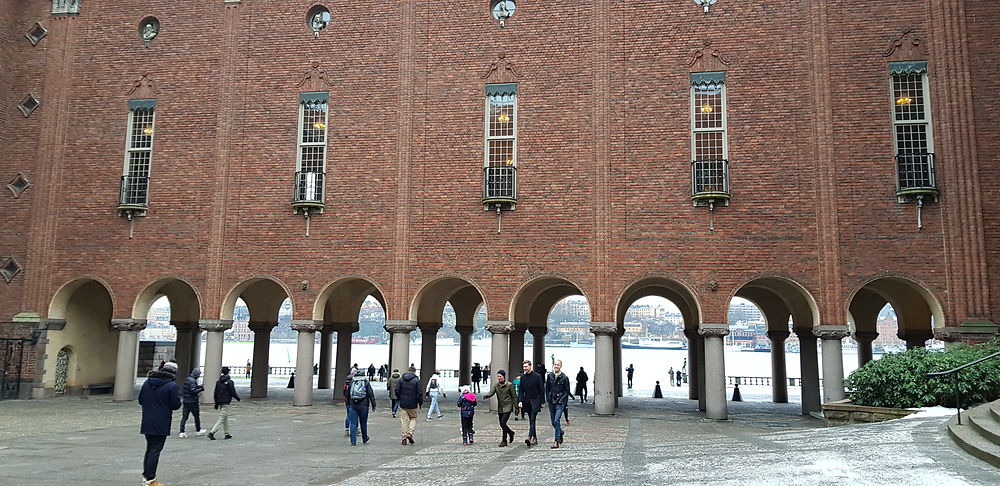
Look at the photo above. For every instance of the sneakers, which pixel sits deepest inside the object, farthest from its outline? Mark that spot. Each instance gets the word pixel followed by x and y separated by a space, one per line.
pixel 202 432
pixel 429 419
pixel 403 442
pixel 410 438
pixel 182 435
pixel 347 432
pixel 440 415
pixel 152 482
pixel 211 436
pixel 227 437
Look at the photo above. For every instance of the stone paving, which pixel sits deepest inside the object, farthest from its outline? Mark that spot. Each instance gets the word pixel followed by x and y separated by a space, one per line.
pixel 651 441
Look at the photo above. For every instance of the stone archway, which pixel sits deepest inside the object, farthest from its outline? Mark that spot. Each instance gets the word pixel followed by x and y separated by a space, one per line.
pixel 338 306
pixel 185 312
pixel 426 314
pixel 79 319
pixel 918 312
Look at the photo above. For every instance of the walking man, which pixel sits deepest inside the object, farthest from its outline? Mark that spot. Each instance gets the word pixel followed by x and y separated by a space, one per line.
pixel 630 370
pixel 393 383
pixel 557 396
pixel 434 390
pixel 158 398
pixel 225 392
pixel 671 373
pixel 531 399
pixel 190 402
pixel 581 385
pixel 477 376
pixel 360 398
pixel 506 398
pixel 411 397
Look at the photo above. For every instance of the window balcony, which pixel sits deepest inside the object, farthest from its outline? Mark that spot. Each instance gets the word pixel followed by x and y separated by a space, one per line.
pixel 915 176
pixel 133 199
pixel 500 187
pixel 309 192
pixel 710 182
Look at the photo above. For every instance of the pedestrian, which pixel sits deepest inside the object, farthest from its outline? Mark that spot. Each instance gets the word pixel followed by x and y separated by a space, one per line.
pixel 190 402
pixel 657 392
pixel 315 368
pixel 506 400
pixel 360 398
pixel 671 373
pixel 347 403
pixel 467 404
pixel 381 373
pixel 393 382
pixel 434 390
pixel 630 371
pixel 225 392
pixel 410 396
pixel 581 385
pixel 249 367
pixel 517 390
pixel 557 396
pixel 371 371
pixel 158 398
pixel 477 376
pixel 486 374
pixel 531 399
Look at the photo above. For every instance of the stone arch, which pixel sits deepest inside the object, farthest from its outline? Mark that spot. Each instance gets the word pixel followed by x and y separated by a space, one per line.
pixel 918 311
pixel 80 319
pixel 262 294
pixel 676 291
pixel 428 303
pixel 340 301
pixel 531 298
pixel 185 303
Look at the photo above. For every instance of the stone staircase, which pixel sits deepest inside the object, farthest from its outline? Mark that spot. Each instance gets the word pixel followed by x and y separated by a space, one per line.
pixel 979 433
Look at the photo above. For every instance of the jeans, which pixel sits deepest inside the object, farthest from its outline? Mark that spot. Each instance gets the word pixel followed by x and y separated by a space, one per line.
pixel 532 416
pixel 434 405
pixel 555 413
pixel 154 444
pixel 504 417
pixel 347 418
pixel 193 409
pixel 223 422
pixel 395 406
pixel 357 413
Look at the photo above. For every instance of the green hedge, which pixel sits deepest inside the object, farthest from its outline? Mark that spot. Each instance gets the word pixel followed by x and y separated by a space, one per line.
pixel 900 380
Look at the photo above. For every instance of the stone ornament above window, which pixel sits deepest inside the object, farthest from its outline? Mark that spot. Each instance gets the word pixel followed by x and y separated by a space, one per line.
pixel 9 268
pixel 318 18
pixel 36 34
pixel 18 185
pixel 29 104
pixel 65 6
pixel 149 28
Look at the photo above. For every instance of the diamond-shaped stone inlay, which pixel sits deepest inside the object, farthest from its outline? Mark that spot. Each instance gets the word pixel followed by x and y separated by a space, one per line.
pixel 36 34
pixel 18 185
pixel 28 104
pixel 10 269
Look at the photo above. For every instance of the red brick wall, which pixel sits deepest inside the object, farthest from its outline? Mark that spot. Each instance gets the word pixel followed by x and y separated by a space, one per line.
pixel 630 60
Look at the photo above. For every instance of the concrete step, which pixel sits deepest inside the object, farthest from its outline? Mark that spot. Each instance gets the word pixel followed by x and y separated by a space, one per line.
pixel 995 410
pixel 967 437
pixel 981 418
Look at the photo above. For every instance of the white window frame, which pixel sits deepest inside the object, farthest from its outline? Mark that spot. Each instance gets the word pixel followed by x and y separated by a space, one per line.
pixel 488 138
pixel 129 149
pixel 724 129
pixel 926 120
pixel 302 144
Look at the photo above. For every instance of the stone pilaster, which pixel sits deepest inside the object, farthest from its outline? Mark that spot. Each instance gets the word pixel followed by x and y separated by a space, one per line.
pixel 604 358
pixel 128 348
pixel 213 354
pixel 500 349
pixel 305 353
pixel 779 376
pixel 864 340
pixel 833 360
pixel 692 363
pixel 261 357
pixel 399 354
pixel 716 406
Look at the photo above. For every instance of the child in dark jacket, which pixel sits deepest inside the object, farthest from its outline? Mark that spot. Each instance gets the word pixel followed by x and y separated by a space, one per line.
pixel 467 403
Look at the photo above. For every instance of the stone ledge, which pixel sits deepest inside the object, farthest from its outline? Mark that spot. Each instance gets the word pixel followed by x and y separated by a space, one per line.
pixel 843 412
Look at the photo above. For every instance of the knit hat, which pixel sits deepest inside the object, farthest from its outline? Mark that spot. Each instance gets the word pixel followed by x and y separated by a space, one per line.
pixel 170 367
pixel 502 373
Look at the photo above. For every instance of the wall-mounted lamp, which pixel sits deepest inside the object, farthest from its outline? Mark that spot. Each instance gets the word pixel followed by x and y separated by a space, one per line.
pixel 503 10
pixel 705 3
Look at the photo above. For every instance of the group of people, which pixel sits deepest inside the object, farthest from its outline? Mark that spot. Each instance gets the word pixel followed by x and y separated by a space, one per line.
pixel 480 374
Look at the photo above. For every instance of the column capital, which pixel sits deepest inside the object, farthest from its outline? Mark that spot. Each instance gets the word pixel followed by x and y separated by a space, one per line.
pixel 500 327
pixel 804 333
pixel 306 325
pixel 709 329
pixel 128 324
pixel 261 326
pixel 542 331
pixel 430 327
pixel 831 332
pixel 47 324
pixel 862 336
pixel 519 329
pixel 690 333
pixel 462 331
pixel 609 328
pixel 184 326
pixel 966 334
pixel 400 326
pixel 778 335
pixel 215 325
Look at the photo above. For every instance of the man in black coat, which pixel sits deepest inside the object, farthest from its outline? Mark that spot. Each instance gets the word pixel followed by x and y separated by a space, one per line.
pixel 159 398
pixel 410 395
pixel 477 376
pixel 530 399
pixel 225 392
pixel 190 401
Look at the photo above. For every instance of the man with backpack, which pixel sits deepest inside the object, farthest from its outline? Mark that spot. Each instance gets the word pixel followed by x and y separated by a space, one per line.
pixel 225 392
pixel 359 398
pixel 434 389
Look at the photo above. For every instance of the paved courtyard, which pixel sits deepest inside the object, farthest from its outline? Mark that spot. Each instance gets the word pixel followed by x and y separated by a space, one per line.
pixel 94 441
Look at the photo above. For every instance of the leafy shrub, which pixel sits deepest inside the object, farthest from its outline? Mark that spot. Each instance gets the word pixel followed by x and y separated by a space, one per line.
pixel 901 381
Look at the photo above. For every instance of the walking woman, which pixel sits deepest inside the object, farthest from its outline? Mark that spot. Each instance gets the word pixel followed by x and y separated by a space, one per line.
pixel 506 400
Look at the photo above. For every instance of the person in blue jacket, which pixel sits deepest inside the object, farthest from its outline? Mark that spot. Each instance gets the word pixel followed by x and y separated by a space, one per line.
pixel 159 398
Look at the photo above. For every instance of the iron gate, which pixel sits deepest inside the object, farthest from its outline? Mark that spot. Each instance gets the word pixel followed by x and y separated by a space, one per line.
pixel 11 360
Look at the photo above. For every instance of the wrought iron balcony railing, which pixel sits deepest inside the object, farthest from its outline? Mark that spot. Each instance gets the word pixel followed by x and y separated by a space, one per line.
pixel 915 175
pixel 309 190
pixel 499 186
pixel 134 193
pixel 710 179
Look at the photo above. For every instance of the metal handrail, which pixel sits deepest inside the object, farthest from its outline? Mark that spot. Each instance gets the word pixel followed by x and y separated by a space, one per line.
pixel 954 374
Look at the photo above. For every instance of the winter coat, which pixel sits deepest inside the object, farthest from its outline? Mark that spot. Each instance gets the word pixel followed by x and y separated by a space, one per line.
pixel 582 377
pixel 467 403
pixel 192 389
pixel 225 391
pixel 532 391
pixel 477 373
pixel 557 389
pixel 393 383
pixel 435 379
pixel 506 396
pixel 408 391
pixel 159 398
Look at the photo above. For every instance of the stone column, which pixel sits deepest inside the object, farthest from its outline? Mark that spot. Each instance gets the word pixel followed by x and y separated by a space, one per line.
pixel 304 354
pixel 399 355
pixel 701 372
pixel 604 372
pixel 344 332
pixel 616 343
pixel 516 353
pixel 428 350
pixel 499 356
pixel 809 366
pixel 538 345
pixel 833 361
pixel 916 338
pixel 865 340
pixel 464 355
pixel 779 374
pixel 716 406
pixel 261 357
pixel 196 347
pixel 182 349
pixel 128 346
pixel 692 360
pixel 325 357
pixel 213 354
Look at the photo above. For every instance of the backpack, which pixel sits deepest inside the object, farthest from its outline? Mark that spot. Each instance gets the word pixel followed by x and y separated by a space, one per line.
pixel 359 388
pixel 434 385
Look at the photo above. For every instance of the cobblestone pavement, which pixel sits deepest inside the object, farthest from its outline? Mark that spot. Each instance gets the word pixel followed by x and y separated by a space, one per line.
pixel 96 442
